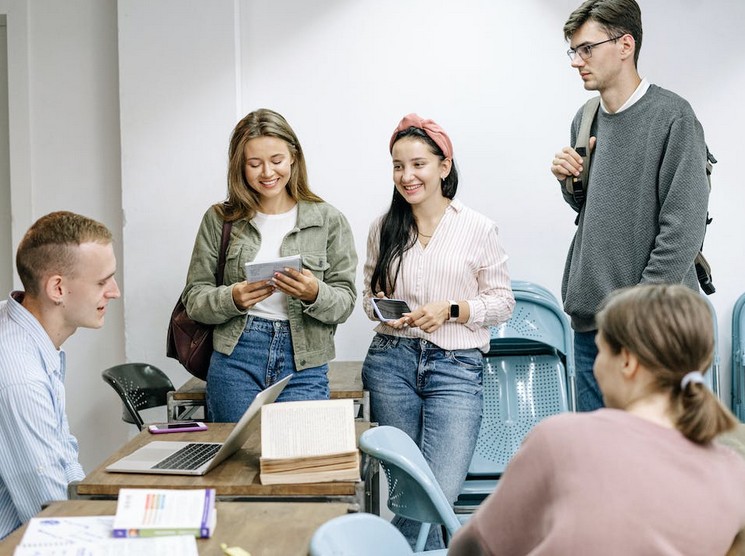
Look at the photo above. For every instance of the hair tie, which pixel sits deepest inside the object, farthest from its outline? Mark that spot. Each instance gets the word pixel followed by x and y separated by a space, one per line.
pixel 430 127
pixel 693 376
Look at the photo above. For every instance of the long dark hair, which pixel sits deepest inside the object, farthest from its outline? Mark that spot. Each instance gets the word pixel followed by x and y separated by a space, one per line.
pixel 398 229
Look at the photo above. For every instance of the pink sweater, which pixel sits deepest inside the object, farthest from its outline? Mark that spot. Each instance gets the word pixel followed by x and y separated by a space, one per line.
pixel 609 482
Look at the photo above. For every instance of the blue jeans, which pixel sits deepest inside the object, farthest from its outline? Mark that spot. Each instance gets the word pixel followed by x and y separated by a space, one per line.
pixel 589 397
pixel 434 396
pixel 262 356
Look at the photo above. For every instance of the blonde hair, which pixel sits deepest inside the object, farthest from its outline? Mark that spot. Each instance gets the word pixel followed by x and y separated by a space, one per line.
pixel 670 330
pixel 243 202
pixel 49 247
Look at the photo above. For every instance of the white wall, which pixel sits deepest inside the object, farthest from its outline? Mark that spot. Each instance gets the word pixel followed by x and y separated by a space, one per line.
pixel 64 128
pixel 6 245
pixel 495 75
pixel 343 73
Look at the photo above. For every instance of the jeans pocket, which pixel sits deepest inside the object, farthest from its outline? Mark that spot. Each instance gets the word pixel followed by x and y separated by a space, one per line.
pixel 381 343
pixel 469 359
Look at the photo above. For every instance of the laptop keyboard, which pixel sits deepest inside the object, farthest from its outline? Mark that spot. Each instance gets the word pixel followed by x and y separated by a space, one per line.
pixel 190 456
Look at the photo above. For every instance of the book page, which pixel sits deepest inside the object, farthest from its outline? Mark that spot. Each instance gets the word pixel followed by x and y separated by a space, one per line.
pixel 154 546
pixel 313 428
pixel 51 531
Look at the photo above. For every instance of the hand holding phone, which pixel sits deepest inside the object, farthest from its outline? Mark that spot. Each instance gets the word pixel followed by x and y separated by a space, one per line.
pixel 389 309
pixel 176 426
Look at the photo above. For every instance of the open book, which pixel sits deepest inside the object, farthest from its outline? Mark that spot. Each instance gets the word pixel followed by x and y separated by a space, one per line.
pixel 308 442
pixel 146 512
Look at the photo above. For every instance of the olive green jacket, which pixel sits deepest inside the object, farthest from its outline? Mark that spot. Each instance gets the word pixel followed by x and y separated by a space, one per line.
pixel 324 240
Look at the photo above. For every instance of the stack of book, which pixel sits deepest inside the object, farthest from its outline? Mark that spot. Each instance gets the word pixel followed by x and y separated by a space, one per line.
pixel 153 513
pixel 308 442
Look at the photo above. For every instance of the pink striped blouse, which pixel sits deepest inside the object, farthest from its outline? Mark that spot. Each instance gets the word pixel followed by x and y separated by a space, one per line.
pixel 464 260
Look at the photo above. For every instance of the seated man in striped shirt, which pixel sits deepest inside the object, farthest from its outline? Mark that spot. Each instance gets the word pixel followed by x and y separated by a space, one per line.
pixel 66 264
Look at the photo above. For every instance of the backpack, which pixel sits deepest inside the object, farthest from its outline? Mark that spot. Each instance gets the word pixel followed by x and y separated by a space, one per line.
pixel 576 187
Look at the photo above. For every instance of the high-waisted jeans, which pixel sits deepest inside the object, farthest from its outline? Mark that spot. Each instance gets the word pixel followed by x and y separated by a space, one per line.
pixel 433 395
pixel 262 356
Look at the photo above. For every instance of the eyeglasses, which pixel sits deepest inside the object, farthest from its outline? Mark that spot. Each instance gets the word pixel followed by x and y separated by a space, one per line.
pixel 585 51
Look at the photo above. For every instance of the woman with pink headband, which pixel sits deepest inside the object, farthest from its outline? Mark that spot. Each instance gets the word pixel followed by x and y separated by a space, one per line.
pixel 423 370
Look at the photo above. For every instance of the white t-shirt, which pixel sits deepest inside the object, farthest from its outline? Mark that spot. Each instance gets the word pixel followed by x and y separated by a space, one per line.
pixel 273 229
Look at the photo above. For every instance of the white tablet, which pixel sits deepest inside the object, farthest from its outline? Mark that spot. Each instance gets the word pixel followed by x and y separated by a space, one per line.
pixel 262 271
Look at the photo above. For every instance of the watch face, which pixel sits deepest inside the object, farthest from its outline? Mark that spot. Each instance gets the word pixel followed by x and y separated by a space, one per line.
pixel 454 311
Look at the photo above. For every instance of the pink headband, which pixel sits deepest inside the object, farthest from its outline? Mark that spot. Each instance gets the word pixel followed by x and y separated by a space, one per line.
pixel 434 131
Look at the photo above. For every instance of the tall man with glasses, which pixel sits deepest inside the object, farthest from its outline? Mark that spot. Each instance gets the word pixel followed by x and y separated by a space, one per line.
pixel 644 215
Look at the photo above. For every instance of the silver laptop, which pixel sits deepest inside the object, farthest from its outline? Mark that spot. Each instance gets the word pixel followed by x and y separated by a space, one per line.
pixel 195 458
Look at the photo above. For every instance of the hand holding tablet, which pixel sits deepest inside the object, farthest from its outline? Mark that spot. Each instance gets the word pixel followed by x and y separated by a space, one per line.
pixel 263 271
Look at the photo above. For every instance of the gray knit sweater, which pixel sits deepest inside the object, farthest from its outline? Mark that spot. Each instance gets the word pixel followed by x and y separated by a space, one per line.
pixel 645 213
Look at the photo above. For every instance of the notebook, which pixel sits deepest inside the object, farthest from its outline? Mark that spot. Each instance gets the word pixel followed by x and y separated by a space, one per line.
pixel 195 458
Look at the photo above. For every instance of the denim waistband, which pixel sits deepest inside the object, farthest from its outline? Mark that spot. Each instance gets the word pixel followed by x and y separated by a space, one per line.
pixel 267 325
pixel 417 343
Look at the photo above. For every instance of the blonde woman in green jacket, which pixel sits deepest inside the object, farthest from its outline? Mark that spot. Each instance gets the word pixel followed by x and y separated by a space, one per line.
pixel 266 330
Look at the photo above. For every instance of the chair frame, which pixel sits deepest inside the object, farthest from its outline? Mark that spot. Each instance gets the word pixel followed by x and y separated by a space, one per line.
pixel 109 376
pixel 403 462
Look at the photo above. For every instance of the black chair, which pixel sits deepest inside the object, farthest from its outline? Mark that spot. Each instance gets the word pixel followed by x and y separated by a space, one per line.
pixel 140 386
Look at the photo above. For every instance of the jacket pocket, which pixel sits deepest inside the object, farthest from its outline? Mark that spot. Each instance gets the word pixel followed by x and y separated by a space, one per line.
pixel 316 263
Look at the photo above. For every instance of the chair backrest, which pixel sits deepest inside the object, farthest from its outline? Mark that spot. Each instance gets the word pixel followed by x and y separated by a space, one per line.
pixel 413 491
pixel 358 534
pixel 519 392
pixel 532 287
pixel 537 326
pixel 140 386
pixel 738 358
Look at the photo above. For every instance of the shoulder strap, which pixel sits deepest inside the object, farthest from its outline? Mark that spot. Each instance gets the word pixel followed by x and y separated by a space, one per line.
pixel 577 187
pixel 224 241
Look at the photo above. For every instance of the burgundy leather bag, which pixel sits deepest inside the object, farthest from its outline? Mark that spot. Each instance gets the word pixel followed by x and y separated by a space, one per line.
pixel 189 341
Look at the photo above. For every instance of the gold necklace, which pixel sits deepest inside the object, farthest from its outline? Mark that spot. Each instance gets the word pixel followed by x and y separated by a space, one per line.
pixel 424 235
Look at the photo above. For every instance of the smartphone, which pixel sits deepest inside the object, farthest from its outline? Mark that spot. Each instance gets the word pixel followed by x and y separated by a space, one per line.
pixel 389 309
pixel 178 426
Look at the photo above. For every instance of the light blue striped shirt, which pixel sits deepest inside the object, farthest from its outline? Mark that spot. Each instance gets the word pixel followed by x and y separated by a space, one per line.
pixel 38 454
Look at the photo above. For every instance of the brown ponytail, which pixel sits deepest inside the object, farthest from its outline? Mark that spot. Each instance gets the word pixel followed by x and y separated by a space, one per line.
pixel 670 329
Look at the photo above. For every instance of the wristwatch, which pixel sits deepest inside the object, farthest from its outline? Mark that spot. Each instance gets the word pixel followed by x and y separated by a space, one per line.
pixel 454 310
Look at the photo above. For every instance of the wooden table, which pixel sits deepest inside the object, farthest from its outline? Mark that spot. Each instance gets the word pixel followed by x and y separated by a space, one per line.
pixel 237 478
pixel 261 528
pixel 345 381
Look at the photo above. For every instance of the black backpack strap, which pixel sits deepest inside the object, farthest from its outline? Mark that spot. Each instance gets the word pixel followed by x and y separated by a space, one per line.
pixel 577 186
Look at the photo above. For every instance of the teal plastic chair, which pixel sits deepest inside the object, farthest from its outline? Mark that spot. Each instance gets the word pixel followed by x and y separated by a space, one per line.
pixel 528 376
pixel 738 358
pixel 139 386
pixel 413 491
pixel 538 326
pixel 712 375
pixel 361 534
pixel 532 287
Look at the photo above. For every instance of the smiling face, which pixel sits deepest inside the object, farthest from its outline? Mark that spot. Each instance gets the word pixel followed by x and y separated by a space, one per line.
pixel 601 71
pixel 85 294
pixel 267 169
pixel 417 171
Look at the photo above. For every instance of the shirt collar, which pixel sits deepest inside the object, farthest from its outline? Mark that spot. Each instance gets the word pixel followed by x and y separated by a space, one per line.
pixel 635 96
pixel 53 358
